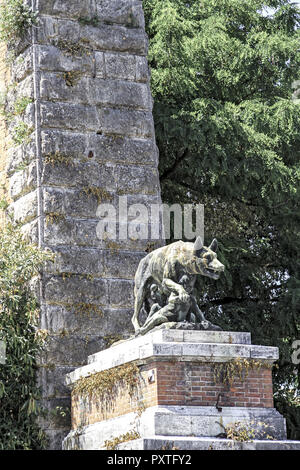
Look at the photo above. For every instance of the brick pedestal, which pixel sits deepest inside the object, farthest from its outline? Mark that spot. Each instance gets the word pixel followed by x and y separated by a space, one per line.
pixel 177 391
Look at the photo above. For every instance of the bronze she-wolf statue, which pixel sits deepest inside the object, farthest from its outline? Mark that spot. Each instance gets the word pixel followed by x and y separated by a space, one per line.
pixel 166 277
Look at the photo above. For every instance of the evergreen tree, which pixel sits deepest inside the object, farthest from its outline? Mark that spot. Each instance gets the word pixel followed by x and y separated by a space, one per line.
pixel 228 132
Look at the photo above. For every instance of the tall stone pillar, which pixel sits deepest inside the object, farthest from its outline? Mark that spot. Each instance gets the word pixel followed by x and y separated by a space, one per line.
pixel 87 138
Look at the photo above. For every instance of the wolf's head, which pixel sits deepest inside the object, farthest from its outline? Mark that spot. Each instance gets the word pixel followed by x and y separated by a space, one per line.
pixel 205 260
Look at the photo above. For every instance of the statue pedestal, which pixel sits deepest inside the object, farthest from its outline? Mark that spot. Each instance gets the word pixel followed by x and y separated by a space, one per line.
pixel 168 389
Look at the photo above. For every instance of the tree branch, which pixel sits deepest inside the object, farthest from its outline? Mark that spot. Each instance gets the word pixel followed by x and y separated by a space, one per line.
pixel 170 171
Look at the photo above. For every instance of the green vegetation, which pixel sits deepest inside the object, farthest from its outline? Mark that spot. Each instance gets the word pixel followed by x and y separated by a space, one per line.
pixel 19 320
pixel 21 133
pixel 228 133
pixel 15 20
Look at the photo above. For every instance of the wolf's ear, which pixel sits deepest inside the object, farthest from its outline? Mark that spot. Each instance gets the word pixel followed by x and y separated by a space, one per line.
pixel 198 246
pixel 214 245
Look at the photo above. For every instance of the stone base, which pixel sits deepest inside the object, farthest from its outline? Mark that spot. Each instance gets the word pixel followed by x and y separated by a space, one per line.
pixel 205 443
pixel 177 397
pixel 179 421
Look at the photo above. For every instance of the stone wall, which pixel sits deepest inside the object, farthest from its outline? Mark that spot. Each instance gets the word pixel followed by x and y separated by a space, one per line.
pixel 88 138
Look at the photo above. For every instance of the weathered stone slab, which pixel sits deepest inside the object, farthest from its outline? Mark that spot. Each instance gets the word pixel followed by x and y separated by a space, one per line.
pixel 155 347
pixel 23 181
pixel 19 156
pixel 189 422
pixel 81 320
pixel 76 289
pixel 81 175
pixel 95 91
pixel 30 231
pixel 123 150
pixel 68 350
pixel 121 264
pixel 125 122
pixel 83 232
pixel 128 12
pixel 117 65
pixel 25 208
pixel 71 9
pixel 51 58
pixel 23 67
pixel 69 116
pixel 266 351
pixel 114 149
pixel 137 179
pixel 115 38
pixel 77 260
pixel 121 292
pixel 231 337
pixel 101 38
pixel 206 443
pixel 51 380
pixel 70 202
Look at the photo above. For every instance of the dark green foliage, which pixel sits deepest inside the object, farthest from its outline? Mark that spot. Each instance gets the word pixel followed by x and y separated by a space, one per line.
pixel 228 133
pixel 19 319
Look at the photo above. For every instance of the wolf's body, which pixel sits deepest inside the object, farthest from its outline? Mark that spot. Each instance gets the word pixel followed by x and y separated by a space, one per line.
pixel 166 265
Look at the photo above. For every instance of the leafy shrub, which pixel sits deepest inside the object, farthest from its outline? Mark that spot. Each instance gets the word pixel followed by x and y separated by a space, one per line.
pixel 19 319
pixel 15 19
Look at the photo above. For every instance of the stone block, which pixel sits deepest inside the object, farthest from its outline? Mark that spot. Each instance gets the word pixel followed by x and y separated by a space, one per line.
pixel 76 289
pixel 125 122
pixel 51 379
pixel 76 320
pixel 119 93
pixel 137 179
pixel 69 116
pixel 118 66
pixel 79 174
pixel 114 38
pixel 30 231
pixel 79 232
pixel 24 88
pixel 265 352
pixel 115 149
pixel 23 66
pixel 119 149
pixel 25 208
pixel 69 143
pixel 70 202
pixel 19 156
pixel 60 8
pixel 120 293
pixel 121 264
pixel 95 91
pixel 54 88
pixel 127 12
pixel 190 422
pixel 204 443
pixel 142 69
pixel 51 58
pixel 77 260
pixel 70 351
pixel 23 181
